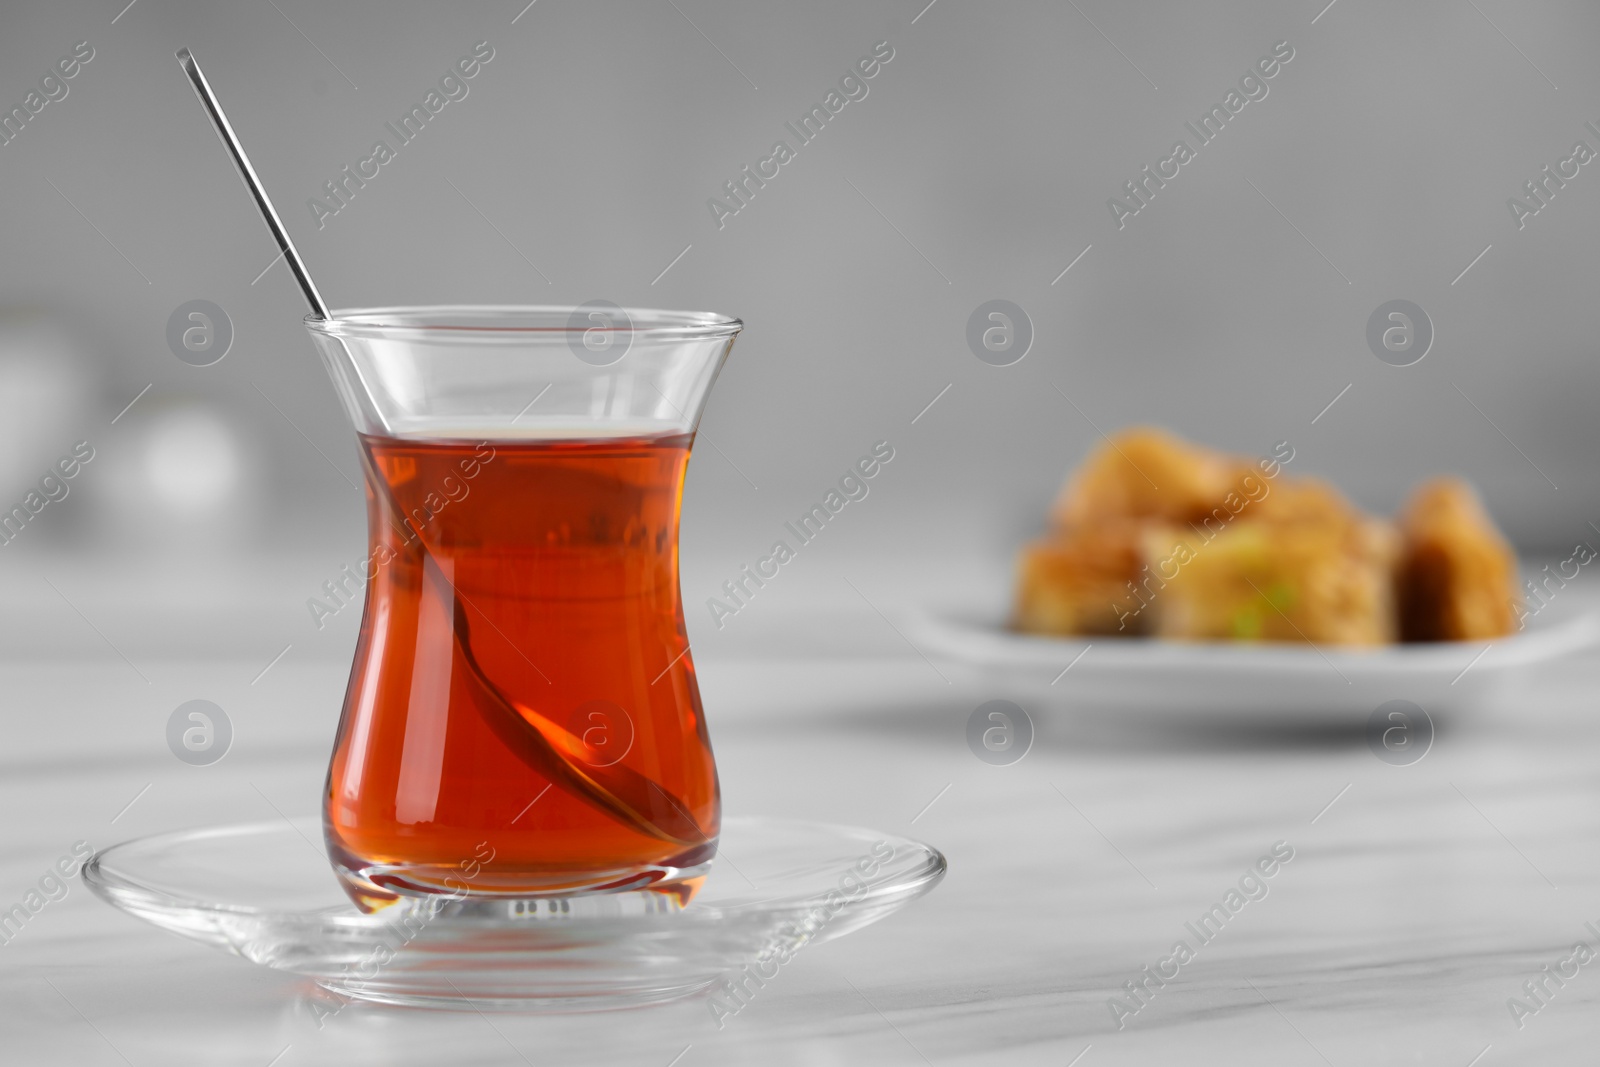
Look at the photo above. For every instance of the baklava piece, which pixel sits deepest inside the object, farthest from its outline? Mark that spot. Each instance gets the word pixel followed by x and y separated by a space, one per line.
pixel 1317 582
pixel 1457 576
pixel 1077 582
pixel 1146 474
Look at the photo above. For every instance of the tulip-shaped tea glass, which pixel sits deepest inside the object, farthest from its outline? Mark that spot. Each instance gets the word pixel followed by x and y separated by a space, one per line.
pixel 522 719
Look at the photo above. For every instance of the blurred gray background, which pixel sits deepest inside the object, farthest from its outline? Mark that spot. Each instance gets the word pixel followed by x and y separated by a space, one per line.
pixel 1232 308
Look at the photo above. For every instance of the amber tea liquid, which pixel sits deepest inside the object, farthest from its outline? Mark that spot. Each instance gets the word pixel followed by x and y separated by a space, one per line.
pixel 522 686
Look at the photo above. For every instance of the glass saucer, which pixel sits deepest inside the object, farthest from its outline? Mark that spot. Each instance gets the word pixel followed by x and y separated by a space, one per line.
pixel 265 891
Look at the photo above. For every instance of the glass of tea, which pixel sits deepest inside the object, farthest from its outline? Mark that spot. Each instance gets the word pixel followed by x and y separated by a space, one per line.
pixel 522 718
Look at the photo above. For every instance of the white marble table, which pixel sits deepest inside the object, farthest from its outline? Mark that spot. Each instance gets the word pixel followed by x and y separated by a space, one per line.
pixel 1413 908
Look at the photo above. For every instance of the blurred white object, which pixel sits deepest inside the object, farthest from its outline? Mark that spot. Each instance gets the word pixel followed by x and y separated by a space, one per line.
pixel 178 476
pixel 192 462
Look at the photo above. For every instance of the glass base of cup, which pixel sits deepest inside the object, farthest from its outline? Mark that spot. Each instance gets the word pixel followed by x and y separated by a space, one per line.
pixel 531 893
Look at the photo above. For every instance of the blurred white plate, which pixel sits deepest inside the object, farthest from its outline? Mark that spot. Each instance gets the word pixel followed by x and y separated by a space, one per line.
pixel 1155 674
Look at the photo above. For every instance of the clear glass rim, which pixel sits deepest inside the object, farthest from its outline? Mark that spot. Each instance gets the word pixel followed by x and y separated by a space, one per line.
pixel 464 322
